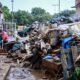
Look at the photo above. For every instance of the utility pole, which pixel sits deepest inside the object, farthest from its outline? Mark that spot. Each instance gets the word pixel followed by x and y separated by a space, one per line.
pixel 59 9
pixel 12 11
pixel 12 1
pixel 59 6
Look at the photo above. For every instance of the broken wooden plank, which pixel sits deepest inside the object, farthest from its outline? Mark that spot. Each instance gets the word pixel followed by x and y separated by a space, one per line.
pixel 74 53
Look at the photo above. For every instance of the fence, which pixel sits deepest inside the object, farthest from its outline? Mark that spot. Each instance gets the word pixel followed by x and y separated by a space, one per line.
pixel 9 27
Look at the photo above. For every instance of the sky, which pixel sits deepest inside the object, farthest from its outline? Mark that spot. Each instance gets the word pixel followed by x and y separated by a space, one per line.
pixel 48 5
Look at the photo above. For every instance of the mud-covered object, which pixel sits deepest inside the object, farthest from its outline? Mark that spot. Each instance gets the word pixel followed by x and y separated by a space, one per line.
pixel 20 74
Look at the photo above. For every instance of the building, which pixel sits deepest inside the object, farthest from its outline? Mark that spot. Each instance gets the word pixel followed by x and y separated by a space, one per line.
pixel 77 6
pixel 76 16
pixel 0 5
pixel 1 16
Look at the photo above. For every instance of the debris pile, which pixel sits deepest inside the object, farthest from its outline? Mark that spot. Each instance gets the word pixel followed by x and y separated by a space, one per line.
pixel 53 50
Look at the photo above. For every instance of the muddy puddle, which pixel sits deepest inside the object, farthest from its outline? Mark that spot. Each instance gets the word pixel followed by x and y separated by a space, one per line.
pixel 17 73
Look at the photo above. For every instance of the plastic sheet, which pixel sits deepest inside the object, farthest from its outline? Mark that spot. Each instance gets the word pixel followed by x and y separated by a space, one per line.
pixel 48 57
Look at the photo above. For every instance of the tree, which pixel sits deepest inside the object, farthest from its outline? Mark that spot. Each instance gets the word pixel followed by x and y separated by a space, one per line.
pixel 65 15
pixel 46 16
pixel 23 17
pixel 40 14
pixel 37 11
pixel 0 7
pixel 6 12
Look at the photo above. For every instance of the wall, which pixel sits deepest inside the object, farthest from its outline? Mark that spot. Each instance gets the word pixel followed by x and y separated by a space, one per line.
pixel 1 19
pixel 78 7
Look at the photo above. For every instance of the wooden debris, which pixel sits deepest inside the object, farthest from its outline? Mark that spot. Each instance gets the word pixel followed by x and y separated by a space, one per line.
pixel 74 53
pixel 2 52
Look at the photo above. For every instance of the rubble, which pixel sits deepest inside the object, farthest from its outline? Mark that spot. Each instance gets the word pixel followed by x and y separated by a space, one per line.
pixel 54 51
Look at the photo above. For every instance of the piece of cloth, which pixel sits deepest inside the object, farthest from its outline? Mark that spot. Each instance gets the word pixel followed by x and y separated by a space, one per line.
pixel 65 42
pixel 68 53
pixel 47 57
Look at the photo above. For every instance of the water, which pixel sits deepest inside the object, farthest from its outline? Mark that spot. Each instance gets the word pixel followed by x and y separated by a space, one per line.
pixel 18 73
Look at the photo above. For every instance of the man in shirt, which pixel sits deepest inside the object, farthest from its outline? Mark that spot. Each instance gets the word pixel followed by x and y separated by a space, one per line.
pixel 4 37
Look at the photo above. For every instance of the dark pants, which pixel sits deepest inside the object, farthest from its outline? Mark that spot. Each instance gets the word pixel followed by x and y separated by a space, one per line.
pixel 4 45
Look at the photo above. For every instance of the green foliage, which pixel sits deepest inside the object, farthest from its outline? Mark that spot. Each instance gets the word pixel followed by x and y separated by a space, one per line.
pixel 24 18
pixel 75 74
pixel 37 11
pixel 66 13
pixel 7 14
pixel 47 16
pixel 0 5
pixel 37 14
pixel 40 15
pixel 78 71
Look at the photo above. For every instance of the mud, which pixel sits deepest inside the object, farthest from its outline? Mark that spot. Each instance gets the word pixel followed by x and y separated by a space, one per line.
pixel 17 73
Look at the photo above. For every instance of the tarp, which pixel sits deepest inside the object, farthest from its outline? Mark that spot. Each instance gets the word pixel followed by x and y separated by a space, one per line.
pixel 48 57
pixel 65 42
